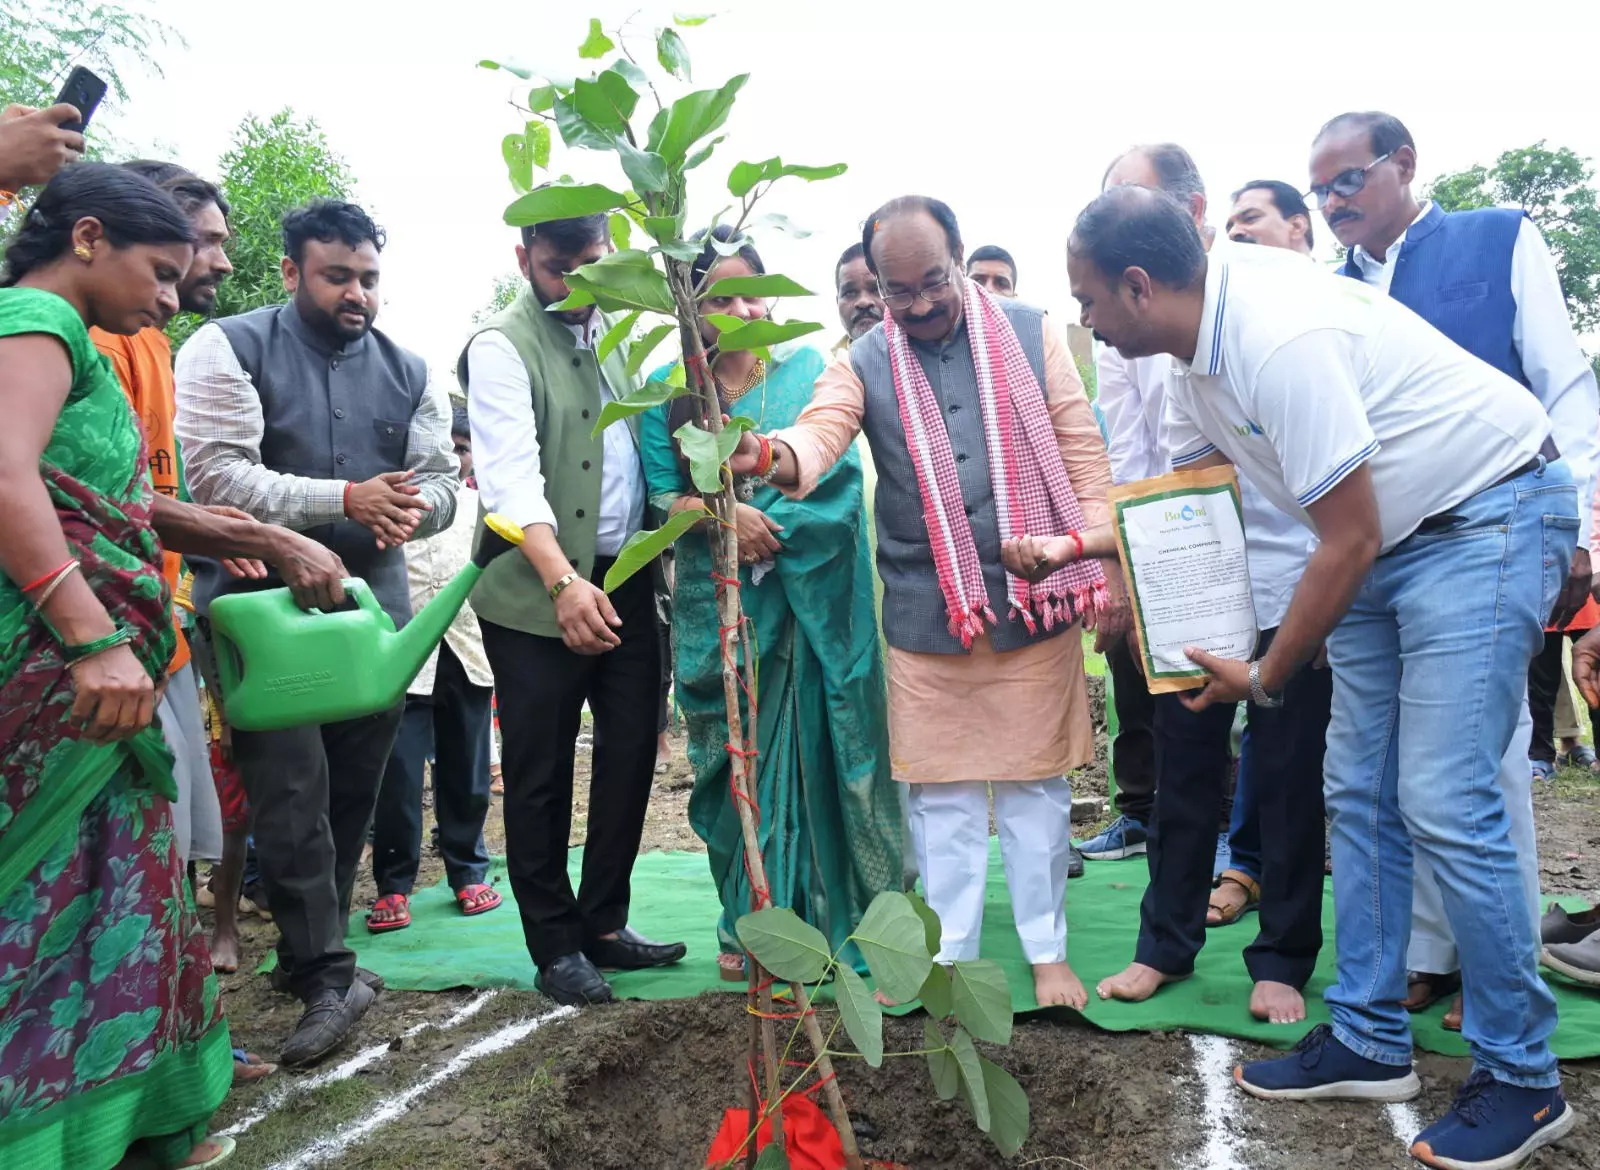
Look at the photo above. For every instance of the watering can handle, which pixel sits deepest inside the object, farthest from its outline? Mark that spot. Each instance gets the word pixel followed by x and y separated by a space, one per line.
pixel 357 595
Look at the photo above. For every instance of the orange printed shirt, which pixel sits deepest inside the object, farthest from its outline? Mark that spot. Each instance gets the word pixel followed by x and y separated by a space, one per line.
pixel 144 367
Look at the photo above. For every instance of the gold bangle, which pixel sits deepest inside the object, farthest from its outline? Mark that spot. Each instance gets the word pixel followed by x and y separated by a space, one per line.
pixel 555 590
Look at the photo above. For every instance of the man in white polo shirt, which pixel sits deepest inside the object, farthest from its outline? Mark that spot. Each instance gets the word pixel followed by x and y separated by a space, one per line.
pixel 1446 526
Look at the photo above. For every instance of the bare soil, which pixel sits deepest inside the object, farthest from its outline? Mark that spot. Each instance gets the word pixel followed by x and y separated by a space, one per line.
pixel 645 1084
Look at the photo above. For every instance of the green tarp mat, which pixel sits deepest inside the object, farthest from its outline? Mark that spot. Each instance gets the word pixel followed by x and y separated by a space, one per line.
pixel 673 899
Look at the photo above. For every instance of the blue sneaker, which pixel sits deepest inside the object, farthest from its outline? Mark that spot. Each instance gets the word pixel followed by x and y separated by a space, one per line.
pixel 1123 837
pixel 1323 1069
pixel 1494 1126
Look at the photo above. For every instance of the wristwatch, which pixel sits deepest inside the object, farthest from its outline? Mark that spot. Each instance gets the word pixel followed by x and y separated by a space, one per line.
pixel 555 590
pixel 1258 693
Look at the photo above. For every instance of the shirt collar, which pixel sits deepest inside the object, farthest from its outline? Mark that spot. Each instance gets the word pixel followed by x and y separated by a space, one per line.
pixel 584 333
pixel 1367 260
pixel 1213 317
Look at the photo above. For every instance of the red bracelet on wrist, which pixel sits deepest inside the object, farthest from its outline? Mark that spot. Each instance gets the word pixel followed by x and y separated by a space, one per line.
pixel 348 485
pixel 764 460
pixel 1077 540
pixel 48 577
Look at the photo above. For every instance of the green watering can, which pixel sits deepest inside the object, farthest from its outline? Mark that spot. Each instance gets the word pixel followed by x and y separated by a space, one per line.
pixel 282 666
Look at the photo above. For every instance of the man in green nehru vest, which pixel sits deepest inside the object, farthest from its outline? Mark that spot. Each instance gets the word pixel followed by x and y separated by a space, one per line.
pixel 554 638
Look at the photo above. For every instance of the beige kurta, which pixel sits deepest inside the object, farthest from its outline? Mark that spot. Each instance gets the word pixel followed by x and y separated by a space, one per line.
pixel 1020 715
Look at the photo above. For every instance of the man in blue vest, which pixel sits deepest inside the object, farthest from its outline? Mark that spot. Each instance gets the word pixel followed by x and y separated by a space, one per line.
pixel 1486 280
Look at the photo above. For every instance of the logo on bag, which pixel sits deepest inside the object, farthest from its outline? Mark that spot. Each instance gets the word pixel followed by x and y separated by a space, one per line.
pixel 1187 513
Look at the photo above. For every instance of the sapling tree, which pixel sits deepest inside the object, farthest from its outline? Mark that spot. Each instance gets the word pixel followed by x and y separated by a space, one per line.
pixel 648 288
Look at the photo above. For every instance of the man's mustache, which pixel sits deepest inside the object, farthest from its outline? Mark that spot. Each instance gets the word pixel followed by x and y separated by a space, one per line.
pixel 1341 216
pixel 867 313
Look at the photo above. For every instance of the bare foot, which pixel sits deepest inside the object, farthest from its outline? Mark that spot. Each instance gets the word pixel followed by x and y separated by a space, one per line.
pixel 1277 1003
pixel 205 1150
pixel 1054 985
pixel 224 952
pixel 1452 1018
pixel 1136 984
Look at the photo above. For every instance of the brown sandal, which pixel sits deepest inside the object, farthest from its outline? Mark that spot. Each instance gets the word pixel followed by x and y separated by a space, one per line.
pixel 1424 989
pixel 1227 914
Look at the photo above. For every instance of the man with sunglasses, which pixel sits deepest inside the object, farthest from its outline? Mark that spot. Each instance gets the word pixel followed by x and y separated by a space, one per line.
pixel 1486 280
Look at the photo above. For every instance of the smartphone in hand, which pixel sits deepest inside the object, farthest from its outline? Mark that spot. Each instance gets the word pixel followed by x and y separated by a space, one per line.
pixel 83 91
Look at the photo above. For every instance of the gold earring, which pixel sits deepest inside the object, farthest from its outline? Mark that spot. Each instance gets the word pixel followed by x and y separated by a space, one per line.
pixel 83 253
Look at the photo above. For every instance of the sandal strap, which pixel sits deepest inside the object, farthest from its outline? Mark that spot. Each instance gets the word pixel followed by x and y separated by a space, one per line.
pixel 1244 881
pixel 390 903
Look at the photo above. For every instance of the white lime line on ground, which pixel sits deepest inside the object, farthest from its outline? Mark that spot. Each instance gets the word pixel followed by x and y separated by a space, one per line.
pixel 1220 1115
pixel 1405 1121
pixel 324 1148
pixel 349 1068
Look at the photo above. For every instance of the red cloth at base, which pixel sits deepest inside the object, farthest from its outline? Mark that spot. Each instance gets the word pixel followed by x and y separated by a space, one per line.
pixel 809 1137
pixel 230 792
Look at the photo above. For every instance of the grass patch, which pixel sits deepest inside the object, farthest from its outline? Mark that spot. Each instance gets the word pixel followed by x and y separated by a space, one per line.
pixel 317 1113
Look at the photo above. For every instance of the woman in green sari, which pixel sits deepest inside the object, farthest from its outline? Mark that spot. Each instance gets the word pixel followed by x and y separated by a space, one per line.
pixel 830 822
pixel 112 1041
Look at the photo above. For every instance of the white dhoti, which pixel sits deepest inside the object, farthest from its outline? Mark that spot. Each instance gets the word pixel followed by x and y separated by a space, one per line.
pixel 950 830
pixel 1433 946
pixel 196 814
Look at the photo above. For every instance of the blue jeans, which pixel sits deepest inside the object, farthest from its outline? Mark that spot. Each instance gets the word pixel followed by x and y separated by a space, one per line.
pixel 1244 831
pixel 1429 667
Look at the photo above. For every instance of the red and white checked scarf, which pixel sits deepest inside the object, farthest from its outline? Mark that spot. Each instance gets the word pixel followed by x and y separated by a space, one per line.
pixel 1031 491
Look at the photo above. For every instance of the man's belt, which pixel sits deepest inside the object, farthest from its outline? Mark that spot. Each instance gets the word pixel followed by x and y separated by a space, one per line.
pixel 1439 521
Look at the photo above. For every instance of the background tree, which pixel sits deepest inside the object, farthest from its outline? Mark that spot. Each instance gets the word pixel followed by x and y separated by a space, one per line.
pixel 506 287
pixel 273 165
pixel 1556 189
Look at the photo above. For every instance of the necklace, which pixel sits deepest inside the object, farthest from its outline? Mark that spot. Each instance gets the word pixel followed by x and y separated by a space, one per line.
pixel 756 376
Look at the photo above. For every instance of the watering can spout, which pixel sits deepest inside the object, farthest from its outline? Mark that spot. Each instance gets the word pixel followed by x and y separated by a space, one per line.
pixel 280 666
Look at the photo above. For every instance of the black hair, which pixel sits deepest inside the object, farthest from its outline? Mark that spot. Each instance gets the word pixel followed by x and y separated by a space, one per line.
pixel 1285 198
pixel 131 208
pixel 709 257
pixel 188 190
pixel 905 205
pixel 1176 172
pixel 851 254
pixel 1385 133
pixel 327 220
pixel 1137 227
pixel 994 252
pixel 460 423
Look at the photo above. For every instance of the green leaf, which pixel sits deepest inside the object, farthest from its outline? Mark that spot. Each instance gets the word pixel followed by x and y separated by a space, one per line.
pixel 1008 1108
pixel 634 76
pixel 624 280
pixel 644 547
pixel 621 228
pixel 647 397
pixel 691 19
pixel 982 999
pixel 774 1157
pixel 755 334
pixel 780 940
pixel 894 944
pixel 706 454
pixel 691 118
pixel 771 284
pixel 930 921
pixel 606 100
pixel 519 165
pixel 664 228
pixel 680 250
pixel 941 1062
pixel 614 337
pixel 575 299
pixel 724 322
pixel 746 175
pixel 561 201
pixel 970 1065
pixel 646 170
pixel 538 136
pixel 673 53
pixel 704 152
pixel 597 44
pixel 730 246
pixel 935 994
pixel 511 67
pixel 577 130
pixel 541 98
pixel 779 224
pixel 643 347
pixel 862 1016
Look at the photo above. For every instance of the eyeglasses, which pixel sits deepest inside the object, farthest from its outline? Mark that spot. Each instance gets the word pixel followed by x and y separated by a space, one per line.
pixel 1344 184
pixel 928 292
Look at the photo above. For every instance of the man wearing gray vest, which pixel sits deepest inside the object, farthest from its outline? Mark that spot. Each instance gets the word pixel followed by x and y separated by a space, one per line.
pixel 981 433
pixel 303 415
pixel 555 640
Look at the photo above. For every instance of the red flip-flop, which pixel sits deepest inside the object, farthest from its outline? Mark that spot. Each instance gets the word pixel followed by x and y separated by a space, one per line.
pixel 397 906
pixel 472 901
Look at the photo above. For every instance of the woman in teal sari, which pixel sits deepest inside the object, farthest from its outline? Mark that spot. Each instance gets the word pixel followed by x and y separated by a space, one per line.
pixel 831 828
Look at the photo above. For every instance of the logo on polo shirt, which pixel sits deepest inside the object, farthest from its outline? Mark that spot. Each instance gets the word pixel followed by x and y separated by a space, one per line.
pixel 1247 428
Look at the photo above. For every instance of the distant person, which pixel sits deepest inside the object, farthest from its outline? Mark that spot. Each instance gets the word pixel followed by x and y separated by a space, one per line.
pixel 1271 212
pixel 993 268
pixel 1486 280
pixel 305 416
pixel 446 720
pixel 555 639
pixel 856 290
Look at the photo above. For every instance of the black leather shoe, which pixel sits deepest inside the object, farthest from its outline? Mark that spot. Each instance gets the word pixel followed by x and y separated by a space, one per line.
pixel 325 1023
pixel 572 980
pixel 280 979
pixel 1074 863
pixel 631 951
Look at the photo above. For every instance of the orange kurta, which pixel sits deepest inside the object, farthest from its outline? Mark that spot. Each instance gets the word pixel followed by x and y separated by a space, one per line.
pixel 1020 715
pixel 144 367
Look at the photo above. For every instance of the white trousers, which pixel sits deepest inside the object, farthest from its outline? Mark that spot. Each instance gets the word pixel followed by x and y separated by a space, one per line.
pixel 196 814
pixel 1433 946
pixel 950 829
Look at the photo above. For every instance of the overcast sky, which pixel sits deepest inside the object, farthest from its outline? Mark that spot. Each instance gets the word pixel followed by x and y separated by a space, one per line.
pixel 1007 110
